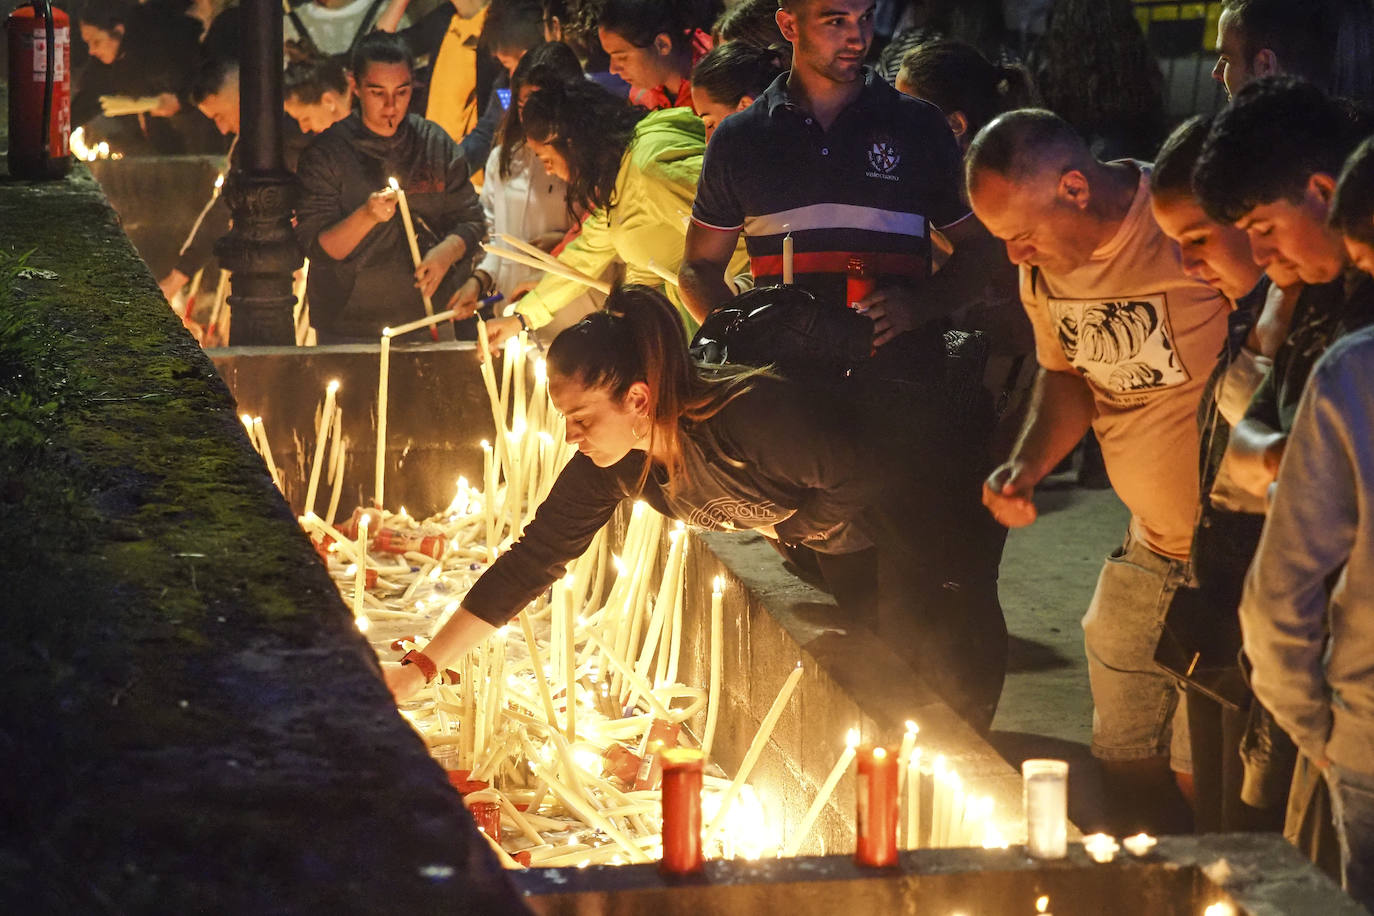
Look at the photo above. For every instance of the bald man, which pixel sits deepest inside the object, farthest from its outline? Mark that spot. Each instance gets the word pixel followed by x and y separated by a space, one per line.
pixel 1125 341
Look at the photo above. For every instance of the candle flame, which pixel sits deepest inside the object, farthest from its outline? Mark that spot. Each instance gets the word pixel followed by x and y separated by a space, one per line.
pixel 219 181
pixel 911 727
pixel 880 753
pixel 541 371
pixel 386 333
pixel 851 740
pixel 1221 908
pixel 915 761
pixel 394 184
pixel 363 623
pixel 486 446
pixel 364 521
pixel 718 585
pixel 1042 903
pixel 333 385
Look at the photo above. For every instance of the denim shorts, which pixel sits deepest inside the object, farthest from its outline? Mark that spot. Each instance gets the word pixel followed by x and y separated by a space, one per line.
pixel 1137 711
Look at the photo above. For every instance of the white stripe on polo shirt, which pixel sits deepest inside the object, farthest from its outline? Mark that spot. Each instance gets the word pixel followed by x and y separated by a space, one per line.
pixel 836 216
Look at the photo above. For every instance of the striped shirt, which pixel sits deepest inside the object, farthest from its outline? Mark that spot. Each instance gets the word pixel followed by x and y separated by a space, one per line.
pixel 872 186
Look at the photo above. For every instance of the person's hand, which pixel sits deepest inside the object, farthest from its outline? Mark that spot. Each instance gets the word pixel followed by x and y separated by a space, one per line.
pixel 522 289
pixel 381 205
pixel 464 301
pixel 548 241
pixel 1007 494
pixel 172 284
pixel 437 262
pixel 891 311
pixel 404 681
pixel 167 105
pixel 499 330
pixel 1255 473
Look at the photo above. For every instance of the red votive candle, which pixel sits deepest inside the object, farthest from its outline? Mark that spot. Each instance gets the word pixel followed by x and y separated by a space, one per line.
pixel 877 809
pixel 681 810
pixel 488 818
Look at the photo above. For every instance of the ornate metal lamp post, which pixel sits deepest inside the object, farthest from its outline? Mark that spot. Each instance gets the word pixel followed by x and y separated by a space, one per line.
pixel 261 249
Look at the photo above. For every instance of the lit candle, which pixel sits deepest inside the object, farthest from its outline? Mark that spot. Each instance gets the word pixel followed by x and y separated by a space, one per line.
pixel 682 846
pixel 1046 799
pixel 410 237
pixel 713 694
pixel 321 438
pixel 338 455
pixel 1102 847
pixel 827 789
pixel 756 747
pixel 876 817
pixel 383 373
pixel 266 448
pixel 570 656
pixel 787 253
pixel 1140 844
pixel 489 495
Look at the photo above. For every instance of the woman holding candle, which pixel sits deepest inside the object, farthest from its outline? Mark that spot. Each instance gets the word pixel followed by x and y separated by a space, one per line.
pixel 634 172
pixel 734 448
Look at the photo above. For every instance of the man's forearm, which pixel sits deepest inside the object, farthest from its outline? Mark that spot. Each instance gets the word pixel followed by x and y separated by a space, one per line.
pixel 703 288
pixel 339 240
pixel 1061 412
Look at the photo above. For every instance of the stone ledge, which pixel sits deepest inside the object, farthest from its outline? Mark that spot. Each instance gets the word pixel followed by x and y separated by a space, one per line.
pixel 190 720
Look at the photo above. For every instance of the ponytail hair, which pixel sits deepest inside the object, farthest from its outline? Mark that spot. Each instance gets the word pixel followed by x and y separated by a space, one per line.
pixel 955 76
pixel 736 70
pixel 638 336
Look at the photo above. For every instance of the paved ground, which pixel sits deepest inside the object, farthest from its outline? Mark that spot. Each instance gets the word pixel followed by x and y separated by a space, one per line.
pixel 1049 571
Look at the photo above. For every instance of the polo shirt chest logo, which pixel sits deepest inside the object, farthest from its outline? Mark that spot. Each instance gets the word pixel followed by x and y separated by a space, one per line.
pixel 883 158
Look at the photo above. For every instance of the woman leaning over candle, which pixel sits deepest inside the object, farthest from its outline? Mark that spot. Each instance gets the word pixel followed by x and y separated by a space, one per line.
pixel 734 448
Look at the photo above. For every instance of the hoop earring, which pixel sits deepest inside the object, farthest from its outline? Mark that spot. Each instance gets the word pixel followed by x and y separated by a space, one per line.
pixel 639 436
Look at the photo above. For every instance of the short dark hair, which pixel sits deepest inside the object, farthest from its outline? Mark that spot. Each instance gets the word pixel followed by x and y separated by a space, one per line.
pixel 1293 30
pixel 954 76
pixel 308 80
pixel 754 22
pixel 731 71
pixel 641 21
pixel 1275 135
pixel 1017 144
pixel 212 77
pixel 1177 156
pixel 513 24
pixel 1352 209
pixel 381 48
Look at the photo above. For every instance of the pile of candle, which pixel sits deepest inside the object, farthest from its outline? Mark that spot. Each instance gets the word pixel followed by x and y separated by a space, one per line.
pixel 553 728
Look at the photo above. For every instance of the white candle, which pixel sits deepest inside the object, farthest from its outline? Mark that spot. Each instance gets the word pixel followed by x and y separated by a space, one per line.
pixel 913 800
pixel 266 448
pixel 940 801
pixel 410 234
pixel 321 438
pixel 383 373
pixel 570 656
pixel 339 455
pixel 827 789
pixel 713 694
pixel 755 749
pixel 675 644
pixel 787 253
pixel 360 566
pixel 489 495
pixel 537 663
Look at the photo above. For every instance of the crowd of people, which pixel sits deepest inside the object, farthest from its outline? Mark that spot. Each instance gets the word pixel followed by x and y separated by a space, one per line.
pixel 1199 302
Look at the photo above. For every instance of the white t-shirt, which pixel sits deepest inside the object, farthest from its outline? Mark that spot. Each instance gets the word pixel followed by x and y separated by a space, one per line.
pixel 1146 338
pixel 332 29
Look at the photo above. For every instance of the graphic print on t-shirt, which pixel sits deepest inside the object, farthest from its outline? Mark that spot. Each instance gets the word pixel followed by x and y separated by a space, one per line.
pixel 730 513
pixel 1122 346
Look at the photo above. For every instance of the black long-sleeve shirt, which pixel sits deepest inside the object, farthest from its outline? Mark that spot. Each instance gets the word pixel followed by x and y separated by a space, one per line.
pixel 374 286
pixel 805 461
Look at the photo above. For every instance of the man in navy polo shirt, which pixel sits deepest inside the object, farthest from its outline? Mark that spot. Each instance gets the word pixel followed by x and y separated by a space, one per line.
pixel 850 168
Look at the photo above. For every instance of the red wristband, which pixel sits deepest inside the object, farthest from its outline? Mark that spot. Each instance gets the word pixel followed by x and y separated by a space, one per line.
pixel 423 662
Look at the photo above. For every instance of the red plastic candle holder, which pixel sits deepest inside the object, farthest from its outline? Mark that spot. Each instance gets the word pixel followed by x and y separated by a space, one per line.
pixel 877 806
pixel 682 853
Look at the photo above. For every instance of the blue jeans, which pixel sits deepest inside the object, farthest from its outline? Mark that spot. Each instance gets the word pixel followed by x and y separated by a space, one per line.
pixel 1352 805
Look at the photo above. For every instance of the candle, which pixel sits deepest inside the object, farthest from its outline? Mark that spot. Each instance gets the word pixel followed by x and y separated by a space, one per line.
pixel 755 749
pixel 360 567
pixel 1140 844
pixel 904 759
pixel 321 437
pixel 489 496
pixel 570 655
pixel 339 455
pixel 1046 797
pixel 827 789
pixel 675 618
pixel 487 814
pixel 537 663
pixel 913 800
pixel 876 816
pixel 682 847
pixel 410 237
pixel 266 448
pixel 939 802
pixel 713 693
pixel 383 374
pixel 1102 847
pixel 787 254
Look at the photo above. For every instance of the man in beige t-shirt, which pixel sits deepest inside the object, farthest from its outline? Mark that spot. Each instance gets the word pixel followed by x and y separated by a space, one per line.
pixel 1125 342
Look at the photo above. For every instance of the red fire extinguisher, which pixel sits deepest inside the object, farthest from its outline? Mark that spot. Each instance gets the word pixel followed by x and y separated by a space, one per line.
pixel 40 90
